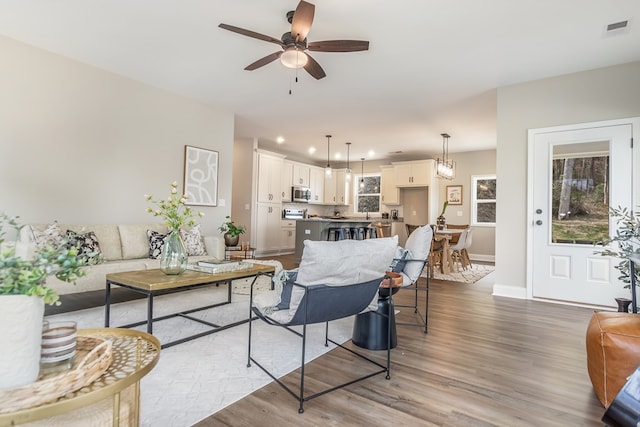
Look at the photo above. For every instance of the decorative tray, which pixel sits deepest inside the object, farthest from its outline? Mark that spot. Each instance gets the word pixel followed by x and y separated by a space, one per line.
pixel 93 358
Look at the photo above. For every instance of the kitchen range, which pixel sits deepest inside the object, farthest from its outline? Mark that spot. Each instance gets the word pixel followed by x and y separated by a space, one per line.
pixel 294 213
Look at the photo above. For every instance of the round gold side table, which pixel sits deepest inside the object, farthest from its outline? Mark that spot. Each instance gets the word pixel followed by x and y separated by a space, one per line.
pixel 111 400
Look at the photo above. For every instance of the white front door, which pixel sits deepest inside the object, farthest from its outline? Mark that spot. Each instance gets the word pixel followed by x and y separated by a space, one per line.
pixel 575 174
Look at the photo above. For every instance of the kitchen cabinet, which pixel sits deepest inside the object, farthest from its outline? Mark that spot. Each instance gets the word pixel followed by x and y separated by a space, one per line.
pixel 269 178
pixel 329 189
pixel 300 174
pixel 342 187
pixel 316 184
pixel 390 191
pixel 336 188
pixel 287 179
pixel 288 235
pixel 414 173
pixel 268 227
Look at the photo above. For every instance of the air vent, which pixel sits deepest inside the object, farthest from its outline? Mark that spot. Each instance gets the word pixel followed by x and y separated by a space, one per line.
pixel 396 152
pixel 617 25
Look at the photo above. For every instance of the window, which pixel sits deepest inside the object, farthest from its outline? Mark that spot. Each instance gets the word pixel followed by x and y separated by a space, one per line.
pixel 483 200
pixel 368 196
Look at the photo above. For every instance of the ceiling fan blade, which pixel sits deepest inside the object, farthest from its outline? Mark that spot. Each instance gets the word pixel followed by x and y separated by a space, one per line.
pixel 302 20
pixel 263 61
pixel 250 33
pixel 338 46
pixel 314 68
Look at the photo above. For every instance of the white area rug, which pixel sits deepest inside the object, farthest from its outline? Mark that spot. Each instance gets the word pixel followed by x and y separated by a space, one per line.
pixel 196 379
pixel 470 275
pixel 263 283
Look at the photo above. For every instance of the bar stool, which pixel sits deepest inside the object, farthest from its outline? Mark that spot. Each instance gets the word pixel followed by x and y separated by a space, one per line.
pixel 339 233
pixel 358 233
pixel 371 231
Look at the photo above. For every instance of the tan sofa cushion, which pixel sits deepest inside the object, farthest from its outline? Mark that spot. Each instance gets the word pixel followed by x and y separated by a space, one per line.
pixel 135 243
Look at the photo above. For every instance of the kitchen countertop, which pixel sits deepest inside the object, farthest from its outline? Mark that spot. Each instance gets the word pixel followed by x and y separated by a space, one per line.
pixel 349 219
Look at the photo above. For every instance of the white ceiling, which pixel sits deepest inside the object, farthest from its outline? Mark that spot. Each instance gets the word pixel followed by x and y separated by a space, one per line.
pixel 432 67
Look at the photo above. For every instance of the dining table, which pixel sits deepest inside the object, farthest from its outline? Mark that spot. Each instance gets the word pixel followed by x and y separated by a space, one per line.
pixel 444 236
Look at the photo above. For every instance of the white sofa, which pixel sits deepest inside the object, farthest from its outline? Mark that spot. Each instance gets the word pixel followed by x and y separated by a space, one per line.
pixel 124 247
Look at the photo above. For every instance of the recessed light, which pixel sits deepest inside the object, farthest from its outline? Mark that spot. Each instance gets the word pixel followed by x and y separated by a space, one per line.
pixel 371 153
pixel 280 140
pixel 312 150
pixel 337 156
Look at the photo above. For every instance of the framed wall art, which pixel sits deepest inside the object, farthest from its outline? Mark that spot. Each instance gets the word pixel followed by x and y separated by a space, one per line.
pixel 200 176
pixel 454 194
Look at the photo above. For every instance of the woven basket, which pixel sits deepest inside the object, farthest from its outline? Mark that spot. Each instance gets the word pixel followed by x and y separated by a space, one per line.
pixel 93 358
pixel 396 280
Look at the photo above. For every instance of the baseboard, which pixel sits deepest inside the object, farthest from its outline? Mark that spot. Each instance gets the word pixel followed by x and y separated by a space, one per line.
pixel 509 291
pixel 482 257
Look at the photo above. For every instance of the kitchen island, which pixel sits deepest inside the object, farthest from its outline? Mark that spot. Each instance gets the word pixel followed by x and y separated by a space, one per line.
pixel 318 228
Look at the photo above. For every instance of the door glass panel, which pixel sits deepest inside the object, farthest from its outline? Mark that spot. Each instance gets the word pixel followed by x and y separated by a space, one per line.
pixel 580 193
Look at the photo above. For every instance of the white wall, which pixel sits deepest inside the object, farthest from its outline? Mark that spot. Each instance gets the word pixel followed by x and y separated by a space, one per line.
pixel 602 94
pixel 82 145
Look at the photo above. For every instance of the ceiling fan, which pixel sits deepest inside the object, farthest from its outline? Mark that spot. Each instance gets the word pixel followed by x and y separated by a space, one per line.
pixel 294 43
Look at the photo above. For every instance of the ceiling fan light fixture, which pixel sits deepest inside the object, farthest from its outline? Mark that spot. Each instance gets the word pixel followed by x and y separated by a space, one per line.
pixel 293 57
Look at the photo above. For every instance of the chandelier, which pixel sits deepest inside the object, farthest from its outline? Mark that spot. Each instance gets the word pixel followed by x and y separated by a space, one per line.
pixel 445 168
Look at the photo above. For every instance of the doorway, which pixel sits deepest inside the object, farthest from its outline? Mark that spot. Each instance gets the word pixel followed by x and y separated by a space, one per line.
pixel 575 174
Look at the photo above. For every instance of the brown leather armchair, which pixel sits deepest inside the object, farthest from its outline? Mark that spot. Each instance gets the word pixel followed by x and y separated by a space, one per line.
pixel 613 352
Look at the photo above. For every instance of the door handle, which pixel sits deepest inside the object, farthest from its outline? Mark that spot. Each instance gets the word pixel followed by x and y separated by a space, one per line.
pixel 539 222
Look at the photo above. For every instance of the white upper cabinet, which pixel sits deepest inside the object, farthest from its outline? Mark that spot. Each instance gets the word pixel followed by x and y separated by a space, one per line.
pixel 301 174
pixel 269 178
pixel 414 173
pixel 287 179
pixel 390 191
pixel 342 187
pixel 316 184
pixel 329 189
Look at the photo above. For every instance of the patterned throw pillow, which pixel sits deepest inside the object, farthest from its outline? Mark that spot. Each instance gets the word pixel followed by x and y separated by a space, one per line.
pixel 156 240
pixel 87 244
pixel 50 236
pixel 193 241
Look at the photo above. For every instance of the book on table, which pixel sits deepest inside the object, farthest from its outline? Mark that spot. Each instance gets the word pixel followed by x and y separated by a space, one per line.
pixel 213 263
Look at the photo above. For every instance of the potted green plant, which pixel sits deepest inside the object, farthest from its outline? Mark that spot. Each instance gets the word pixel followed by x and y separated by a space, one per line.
pixel 231 231
pixel 23 293
pixel 628 243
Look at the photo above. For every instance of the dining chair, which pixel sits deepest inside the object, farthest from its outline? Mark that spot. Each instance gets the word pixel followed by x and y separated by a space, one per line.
pixel 467 244
pixel 455 237
pixel 456 250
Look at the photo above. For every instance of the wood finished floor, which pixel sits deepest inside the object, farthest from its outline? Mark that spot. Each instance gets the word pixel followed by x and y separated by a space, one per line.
pixel 487 361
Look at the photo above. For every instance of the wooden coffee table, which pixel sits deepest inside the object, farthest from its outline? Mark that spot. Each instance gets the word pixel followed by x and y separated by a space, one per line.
pixel 154 282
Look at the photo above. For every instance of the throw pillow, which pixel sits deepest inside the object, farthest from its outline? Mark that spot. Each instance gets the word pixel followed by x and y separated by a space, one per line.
pixel 50 236
pixel 193 241
pixel 87 244
pixel 400 262
pixel 156 240
pixel 419 244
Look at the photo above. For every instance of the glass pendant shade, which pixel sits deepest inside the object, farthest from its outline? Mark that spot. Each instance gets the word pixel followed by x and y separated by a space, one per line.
pixel 347 171
pixel 327 171
pixel 293 58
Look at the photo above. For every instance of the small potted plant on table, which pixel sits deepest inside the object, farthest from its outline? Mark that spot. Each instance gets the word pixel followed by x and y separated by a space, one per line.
pixel 231 231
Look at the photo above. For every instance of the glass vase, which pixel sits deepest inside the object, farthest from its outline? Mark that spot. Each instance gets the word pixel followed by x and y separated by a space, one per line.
pixel 174 254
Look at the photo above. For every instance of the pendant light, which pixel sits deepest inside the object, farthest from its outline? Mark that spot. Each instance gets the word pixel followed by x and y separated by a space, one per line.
pixel 445 168
pixel 347 171
pixel 327 170
pixel 362 173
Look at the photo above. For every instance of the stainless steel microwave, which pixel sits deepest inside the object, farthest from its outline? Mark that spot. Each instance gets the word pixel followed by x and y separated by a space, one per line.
pixel 300 194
